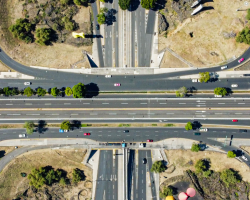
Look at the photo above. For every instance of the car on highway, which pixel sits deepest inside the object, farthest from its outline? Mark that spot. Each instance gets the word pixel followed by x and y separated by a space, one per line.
pixel 125 131
pixel 224 67
pixel 108 76
pixel 197 133
pixel 242 130
pixel 241 60
pixel 97 27
pixel 245 158
pixel 117 84
pixel 235 120
pixel 149 140
pixel 22 135
pixel 144 161
pixel 195 80
pixel 203 129
pixel 216 95
pixel 86 134
pixel 27 83
pixel 61 130
pixel 234 85
pixel 66 130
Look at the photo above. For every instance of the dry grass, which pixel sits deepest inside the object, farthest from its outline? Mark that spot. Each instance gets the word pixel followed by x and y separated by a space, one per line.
pixel 7 150
pixel 219 161
pixel 59 56
pixel 11 181
pixel 170 61
pixel 207 28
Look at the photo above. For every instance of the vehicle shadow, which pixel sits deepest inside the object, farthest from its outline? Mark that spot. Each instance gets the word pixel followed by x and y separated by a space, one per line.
pixel 92 90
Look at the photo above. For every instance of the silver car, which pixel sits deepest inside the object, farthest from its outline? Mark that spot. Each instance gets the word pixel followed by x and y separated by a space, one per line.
pixel 26 83
pixel 22 135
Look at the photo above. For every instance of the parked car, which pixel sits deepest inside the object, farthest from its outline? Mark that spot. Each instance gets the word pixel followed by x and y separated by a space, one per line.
pixel 86 134
pixel 224 67
pixel 125 131
pixel 149 140
pixel 245 158
pixel 108 76
pixel 242 130
pixel 61 130
pixel 144 161
pixel 117 84
pixel 97 27
pixel 66 130
pixel 27 83
pixel 195 80
pixel 235 120
pixel 216 95
pixel 197 133
pixel 241 60
pixel 234 85
pixel 203 129
pixel 22 135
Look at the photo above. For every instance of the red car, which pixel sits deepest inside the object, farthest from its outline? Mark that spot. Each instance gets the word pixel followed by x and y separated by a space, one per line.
pixel 149 140
pixel 117 84
pixel 86 133
pixel 235 120
pixel 241 60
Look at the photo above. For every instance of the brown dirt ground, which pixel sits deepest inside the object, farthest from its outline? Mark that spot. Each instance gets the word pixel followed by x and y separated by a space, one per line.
pixel 7 150
pixel 170 61
pixel 59 56
pixel 219 161
pixel 3 68
pixel 11 181
pixel 207 27
pixel 246 148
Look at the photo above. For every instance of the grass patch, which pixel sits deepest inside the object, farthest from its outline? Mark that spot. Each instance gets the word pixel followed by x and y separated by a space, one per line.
pixel 168 125
pixel 154 124
pixel 86 125
pixel 124 125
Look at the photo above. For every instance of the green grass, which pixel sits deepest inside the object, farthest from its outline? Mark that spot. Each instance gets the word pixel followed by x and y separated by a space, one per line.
pixel 154 124
pixel 86 125
pixel 124 125
pixel 169 125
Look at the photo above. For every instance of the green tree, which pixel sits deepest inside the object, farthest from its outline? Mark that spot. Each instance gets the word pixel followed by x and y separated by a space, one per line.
pixel 195 147
pixel 243 36
pixel 148 4
pixel 181 92
pixel 37 177
pixel 65 2
pixel 68 91
pixel 248 14
pixel 29 127
pixel 55 92
pixel 79 90
pixel 189 126
pixel 166 191
pixel 204 77
pixel 28 91
pixel 41 92
pixel 69 25
pixel 158 167
pixel 220 91
pixel 7 91
pixel 14 91
pixel 63 181
pixel 200 166
pixel 65 125
pixel 80 2
pixel 231 154
pixel 78 175
pixel 124 4
pixel 207 173
pixel 229 176
pixel 101 18
pixel 43 36
pixel 22 30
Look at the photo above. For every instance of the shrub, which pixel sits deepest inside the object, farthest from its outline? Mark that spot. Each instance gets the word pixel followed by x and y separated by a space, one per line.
pixel 41 92
pixel 243 36
pixel 68 91
pixel 158 167
pixel 147 4
pixel 181 92
pixel 124 4
pixel 43 36
pixel 204 77
pixel 78 175
pixel 207 173
pixel 200 166
pixel 28 91
pixel 55 92
pixel 167 191
pixel 189 126
pixel 195 148
pixel 65 125
pixel 228 176
pixel 231 154
pixel 220 91
pixel 29 127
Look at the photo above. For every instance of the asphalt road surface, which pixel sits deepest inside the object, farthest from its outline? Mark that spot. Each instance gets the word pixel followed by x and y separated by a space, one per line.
pixel 107 187
pixel 141 193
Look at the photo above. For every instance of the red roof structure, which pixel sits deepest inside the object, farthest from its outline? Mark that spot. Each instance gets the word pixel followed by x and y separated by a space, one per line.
pixel 191 192
pixel 182 196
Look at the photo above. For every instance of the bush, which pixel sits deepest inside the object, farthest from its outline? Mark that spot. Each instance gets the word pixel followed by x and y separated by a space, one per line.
pixel 43 36
pixel 147 4
pixel 207 173
pixel 78 175
pixel 231 154
pixel 204 77
pixel 55 92
pixel 80 2
pixel 69 25
pixel 29 127
pixel 124 4
pixel 14 91
pixel 243 36
pixel 158 167
pixel 68 91
pixel 248 14
pixel 41 92
pixel 228 176
pixel 167 191
pixel 181 92
pixel 7 91
pixel 79 90
pixel 195 148
pixel 101 18
pixel 65 125
pixel 28 91
pixel 65 2
pixel 200 166
pixel 189 126
pixel 220 91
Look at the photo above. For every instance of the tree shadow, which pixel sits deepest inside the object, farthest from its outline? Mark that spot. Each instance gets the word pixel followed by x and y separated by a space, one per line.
pixel 81 173
pixel 134 4
pixel 237 174
pixel 93 36
pixel 207 163
pixel 229 91
pixel 92 90
pixel 110 18
pixel 76 124
pixel 159 5
pixel 192 89
pixel 2 153
pixel 206 1
pixel 41 128
pixel 196 125
pixel 175 190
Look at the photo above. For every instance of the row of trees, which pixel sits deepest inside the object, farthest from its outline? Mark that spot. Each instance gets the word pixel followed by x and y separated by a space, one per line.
pixel 78 91
pixel 47 176
pixel 125 4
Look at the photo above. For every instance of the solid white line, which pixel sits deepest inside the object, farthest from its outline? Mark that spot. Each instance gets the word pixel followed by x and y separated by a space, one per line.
pixel 67 103
pixel 182 103
pixel 105 103
pixel 32 114
pixel 85 103
pixel 241 103
pixel 9 104
pixel 124 103
pixel 221 103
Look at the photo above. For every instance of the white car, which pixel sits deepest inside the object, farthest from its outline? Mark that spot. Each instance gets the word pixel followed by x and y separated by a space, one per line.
pixel 108 76
pixel 204 129
pixel 234 85
pixel 194 80
pixel 66 130
pixel 216 95
pixel 26 83
pixel 243 157
pixel 224 67
pixel 22 135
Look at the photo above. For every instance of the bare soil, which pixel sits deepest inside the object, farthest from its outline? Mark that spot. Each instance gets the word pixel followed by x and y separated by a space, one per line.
pixel 207 47
pixel 170 61
pixel 181 160
pixel 58 55
pixel 5 150
pixel 12 183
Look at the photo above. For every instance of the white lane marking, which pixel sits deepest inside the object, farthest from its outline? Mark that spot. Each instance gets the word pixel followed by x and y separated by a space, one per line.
pixel 147 135
pixel 218 113
pixel 105 103
pixel 144 103
pixel 28 104
pixel 156 135
pixel 175 131
pixel 73 114
pixel 241 103
pixel 67 103
pixel 13 114
pixel 99 135
pixel 131 113
pixel 85 103
pixel 221 103
pixel 137 135
pixel 47 104
pixel 163 103
pixel 169 113
pixel 238 113
pixel 93 113
pixel 9 104
pixel 156 131
pixel 118 135
pixel 182 103
pixel 124 103
pixel 112 113
pixel 99 131
pixel 32 114
pixel 201 103
pixel 214 131
pixel 109 135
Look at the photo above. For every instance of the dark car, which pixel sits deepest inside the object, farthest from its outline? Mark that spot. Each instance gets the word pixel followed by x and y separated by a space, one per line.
pixel 97 26
pixel 197 133
pixel 126 131
pixel 144 161
pixel 242 130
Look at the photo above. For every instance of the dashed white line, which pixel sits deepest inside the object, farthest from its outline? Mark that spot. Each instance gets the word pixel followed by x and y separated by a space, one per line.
pixel 85 103
pixel 13 114
pixel 241 103
pixel 182 103
pixel 221 103
pixel 124 103
pixel 67 103
pixel 9 104
pixel 105 103
pixel 144 103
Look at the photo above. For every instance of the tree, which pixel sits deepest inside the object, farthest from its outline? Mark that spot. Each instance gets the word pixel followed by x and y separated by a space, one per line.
pixel 55 92
pixel 181 92
pixel 29 127
pixel 80 2
pixel 64 2
pixel 220 91
pixel 231 154
pixel 7 91
pixel 204 77
pixel 167 191
pixel 65 125
pixel 189 126
pixel 195 147
pixel 78 175
pixel 28 91
pixel 158 167
pixel 63 181
pixel 41 92
pixel 22 30
pixel 68 91
pixel 207 173
pixel 200 166
pixel 101 18
pixel 69 25
pixel 228 176
pixel 243 36
pixel 43 36
pixel 14 91
pixel 148 4
pixel 79 90
pixel 124 4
